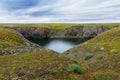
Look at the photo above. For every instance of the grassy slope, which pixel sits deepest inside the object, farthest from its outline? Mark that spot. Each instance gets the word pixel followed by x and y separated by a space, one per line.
pixel 10 39
pixel 34 65
pixel 101 54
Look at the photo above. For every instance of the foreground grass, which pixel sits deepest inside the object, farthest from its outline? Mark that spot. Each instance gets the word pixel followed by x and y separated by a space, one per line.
pixel 39 65
pixel 33 65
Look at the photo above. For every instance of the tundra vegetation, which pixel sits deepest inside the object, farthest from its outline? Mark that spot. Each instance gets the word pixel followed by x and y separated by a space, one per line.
pixel 95 59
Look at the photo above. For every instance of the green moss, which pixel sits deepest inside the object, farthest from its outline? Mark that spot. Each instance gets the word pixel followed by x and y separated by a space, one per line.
pixel 75 68
pixel 74 60
pixel 99 58
pixel 3 71
pixel 73 78
pixel 58 74
pixel 88 56
pixel 99 78
pixel 10 39
pixel 67 52
pixel 113 51
pixel 26 58
pixel 1 46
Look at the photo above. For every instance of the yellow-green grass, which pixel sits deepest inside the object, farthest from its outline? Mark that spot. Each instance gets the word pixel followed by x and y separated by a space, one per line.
pixel 59 26
pixel 109 38
pixel 47 25
pixel 10 39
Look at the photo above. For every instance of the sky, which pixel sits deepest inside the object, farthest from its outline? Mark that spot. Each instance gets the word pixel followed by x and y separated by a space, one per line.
pixel 59 11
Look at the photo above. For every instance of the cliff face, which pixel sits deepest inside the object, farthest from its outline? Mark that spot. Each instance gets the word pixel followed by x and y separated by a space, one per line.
pixel 84 32
pixel 71 32
pixel 35 33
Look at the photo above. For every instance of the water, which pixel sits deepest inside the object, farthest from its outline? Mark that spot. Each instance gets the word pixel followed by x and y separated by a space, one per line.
pixel 58 44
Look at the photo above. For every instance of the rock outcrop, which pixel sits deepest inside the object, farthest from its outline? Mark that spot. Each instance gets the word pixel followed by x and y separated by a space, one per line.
pixel 71 32
pixel 35 33
pixel 84 32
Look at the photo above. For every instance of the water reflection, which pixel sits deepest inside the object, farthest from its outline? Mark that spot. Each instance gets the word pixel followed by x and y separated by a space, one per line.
pixel 59 45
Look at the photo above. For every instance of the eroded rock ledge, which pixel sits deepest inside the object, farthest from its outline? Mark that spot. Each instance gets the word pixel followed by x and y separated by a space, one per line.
pixel 71 32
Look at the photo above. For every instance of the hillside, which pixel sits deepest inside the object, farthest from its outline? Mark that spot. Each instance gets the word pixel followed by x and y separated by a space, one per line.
pixel 101 54
pixel 11 41
pixel 96 59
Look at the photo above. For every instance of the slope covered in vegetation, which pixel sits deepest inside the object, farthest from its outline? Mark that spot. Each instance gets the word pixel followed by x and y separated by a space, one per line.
pixel 39 65
pixel 10 38
pixel 101 54
pixel 11 41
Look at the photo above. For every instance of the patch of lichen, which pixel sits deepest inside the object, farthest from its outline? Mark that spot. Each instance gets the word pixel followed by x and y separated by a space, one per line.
pixel 10 38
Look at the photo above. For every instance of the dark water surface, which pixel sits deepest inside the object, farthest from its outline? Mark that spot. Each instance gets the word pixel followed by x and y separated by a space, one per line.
pixel 59 44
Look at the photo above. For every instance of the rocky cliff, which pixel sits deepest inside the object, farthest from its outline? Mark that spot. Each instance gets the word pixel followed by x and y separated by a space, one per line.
pixel 84 32
pixel 71 32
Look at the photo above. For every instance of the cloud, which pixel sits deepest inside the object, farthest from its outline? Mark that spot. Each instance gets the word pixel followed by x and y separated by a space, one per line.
pixel 37 11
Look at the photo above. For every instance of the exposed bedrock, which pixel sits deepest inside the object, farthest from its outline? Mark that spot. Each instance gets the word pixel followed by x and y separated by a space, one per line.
pixel 71 32
pixel 84 32
pixel 35 33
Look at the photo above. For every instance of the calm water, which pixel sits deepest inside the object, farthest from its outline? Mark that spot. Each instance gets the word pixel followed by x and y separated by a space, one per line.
pixel 59 45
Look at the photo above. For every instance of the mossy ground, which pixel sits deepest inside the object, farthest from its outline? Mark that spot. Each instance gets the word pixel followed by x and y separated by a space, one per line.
pixel 10 39
pixel 38 65
pixel 105 50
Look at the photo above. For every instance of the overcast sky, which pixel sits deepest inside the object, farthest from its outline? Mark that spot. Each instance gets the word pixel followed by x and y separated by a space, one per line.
pixel 44 11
